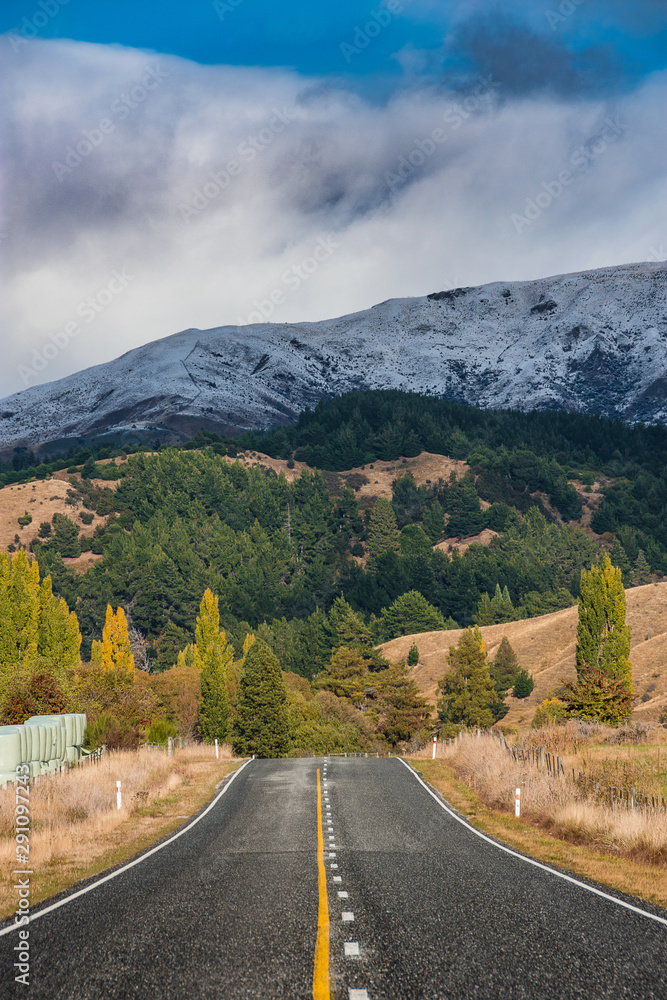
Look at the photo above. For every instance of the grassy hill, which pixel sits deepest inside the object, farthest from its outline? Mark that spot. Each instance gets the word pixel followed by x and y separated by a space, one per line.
pixel 545 647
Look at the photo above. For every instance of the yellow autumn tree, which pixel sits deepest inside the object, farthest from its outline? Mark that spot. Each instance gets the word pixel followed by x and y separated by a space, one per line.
pixel 114 651
pixel 34 623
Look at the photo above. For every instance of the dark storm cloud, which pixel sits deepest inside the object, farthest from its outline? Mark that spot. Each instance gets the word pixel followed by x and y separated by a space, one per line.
pixel 532 62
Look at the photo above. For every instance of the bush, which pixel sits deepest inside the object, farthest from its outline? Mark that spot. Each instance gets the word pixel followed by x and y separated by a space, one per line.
pixel 523 684
pixel 159 732
pixel 24 519
pixel 550 710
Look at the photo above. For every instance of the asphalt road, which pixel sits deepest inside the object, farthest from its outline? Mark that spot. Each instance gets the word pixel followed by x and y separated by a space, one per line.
pixel 428 909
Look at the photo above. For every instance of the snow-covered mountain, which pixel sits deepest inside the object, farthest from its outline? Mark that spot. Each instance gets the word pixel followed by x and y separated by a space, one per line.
pixel 594 341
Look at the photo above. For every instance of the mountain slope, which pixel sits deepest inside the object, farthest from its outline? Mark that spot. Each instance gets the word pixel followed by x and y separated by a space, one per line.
pixel 594 341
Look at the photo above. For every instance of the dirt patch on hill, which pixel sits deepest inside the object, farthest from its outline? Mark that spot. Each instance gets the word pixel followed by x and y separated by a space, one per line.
pixel 41 499
pixel 485 537
pixel 545 647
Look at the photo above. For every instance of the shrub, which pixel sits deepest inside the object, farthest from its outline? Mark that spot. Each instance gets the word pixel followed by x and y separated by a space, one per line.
pixel 551 709
pixel 523 684
pixel 24 519
pixel 160 731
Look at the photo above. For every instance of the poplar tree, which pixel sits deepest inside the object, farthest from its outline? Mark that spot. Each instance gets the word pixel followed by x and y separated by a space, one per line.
pixel 261 726
pixel 114 652
pixel 468 691
pixel 34 623
pixel 212 655
pixel 603 638
pixel 604 688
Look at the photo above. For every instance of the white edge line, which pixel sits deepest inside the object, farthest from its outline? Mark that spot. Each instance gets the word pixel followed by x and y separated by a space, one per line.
pixel 119 871
pixel 532 861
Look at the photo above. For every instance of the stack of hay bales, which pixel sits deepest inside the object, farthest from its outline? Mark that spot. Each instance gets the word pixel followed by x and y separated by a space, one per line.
pixel 44 742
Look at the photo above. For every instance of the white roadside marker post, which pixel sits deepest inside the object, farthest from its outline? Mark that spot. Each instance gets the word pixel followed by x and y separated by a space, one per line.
pixel 517 803
pixel 118 797
pixel 217 753
pixel 435 743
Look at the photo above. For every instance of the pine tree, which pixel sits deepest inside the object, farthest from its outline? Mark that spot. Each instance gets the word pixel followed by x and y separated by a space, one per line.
pixel 346 675
pixel 434 522
pixel 523 684
pixel 484 614
pixel 383 533
pixel 114 651
pixel 402 710
pixel 261 726
pixel 641 574
pixel 505 666
pixel 468 692
pixel 413 655
pixel 410 613
pixel 348 627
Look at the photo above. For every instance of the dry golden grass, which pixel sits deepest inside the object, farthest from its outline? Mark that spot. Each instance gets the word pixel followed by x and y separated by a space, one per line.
pixel 545 647
pixel 76 829
pixel 556 804
pixel 41 499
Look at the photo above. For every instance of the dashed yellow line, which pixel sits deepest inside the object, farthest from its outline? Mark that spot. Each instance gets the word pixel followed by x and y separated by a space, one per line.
pixel 321 970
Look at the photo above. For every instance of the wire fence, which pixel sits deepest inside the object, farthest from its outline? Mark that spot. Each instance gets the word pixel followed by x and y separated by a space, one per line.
pixel 554 765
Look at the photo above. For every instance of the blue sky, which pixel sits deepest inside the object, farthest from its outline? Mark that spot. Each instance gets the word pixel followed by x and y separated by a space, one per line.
pixel 308 36
pixel 201 151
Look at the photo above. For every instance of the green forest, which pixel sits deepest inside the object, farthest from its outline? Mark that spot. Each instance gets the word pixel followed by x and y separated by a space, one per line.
pixel 320 576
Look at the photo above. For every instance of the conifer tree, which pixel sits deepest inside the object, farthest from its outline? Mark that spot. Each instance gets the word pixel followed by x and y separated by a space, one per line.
pixel 114 652
pixel 505 666
pixel 383 533
pixel 346 675
pixel 434 522
pixel 403 711
pixel 641 574
pixel 261 726
pixel 413 655
pixel 468 692
pixel 410 613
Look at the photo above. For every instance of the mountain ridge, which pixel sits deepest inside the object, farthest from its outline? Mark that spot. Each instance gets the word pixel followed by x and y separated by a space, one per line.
pixel 590 341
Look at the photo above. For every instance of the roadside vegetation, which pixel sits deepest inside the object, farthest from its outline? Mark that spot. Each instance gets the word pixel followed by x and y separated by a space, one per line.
pixel 76 829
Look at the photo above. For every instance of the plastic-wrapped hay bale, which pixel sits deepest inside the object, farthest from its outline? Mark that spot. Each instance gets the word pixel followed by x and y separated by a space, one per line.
pixel 25 740
pixel 44 737
pixel 10 749
pixel 59 735
pixel 70 729
pixel 83 722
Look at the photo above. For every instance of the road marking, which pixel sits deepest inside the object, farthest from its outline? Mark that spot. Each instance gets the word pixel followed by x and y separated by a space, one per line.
pixel 130 864
pixel 332 854
pixel 333 865
pixel 347 917
pixel 342 894
pixel 532 861
pixel 321 966
pixel 358 995
pixel 351 949
pixel 338 878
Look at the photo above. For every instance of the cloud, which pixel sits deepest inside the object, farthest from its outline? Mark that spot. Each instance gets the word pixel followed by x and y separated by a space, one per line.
pixel 206 186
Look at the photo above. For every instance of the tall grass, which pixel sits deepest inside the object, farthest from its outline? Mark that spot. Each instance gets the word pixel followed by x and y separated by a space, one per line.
pixel 73 813
pixel 556 803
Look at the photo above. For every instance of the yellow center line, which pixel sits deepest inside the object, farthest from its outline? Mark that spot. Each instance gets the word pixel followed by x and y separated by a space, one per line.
pixel 321 970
